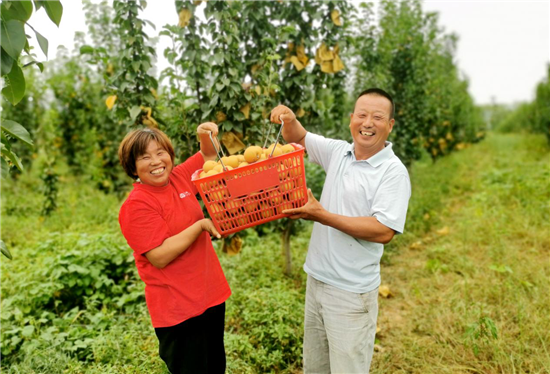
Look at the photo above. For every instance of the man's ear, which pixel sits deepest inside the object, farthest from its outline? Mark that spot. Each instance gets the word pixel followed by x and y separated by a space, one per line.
pixel 392 122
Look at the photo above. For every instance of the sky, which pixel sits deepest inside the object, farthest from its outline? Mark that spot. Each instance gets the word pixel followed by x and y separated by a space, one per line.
pixel 503 48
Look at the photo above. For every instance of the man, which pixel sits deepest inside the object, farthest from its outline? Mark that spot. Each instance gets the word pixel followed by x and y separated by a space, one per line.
pixel 363 204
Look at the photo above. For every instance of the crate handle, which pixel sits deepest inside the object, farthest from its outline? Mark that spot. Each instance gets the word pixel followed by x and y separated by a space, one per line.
pixel 278 135
pixel 265 143
pixel 217 150
pixel 267 134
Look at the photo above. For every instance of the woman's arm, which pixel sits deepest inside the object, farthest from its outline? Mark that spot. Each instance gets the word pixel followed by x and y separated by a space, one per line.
pixel 175 245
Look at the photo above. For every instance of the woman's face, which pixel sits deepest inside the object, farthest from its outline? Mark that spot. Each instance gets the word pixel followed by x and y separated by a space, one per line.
pixel 154 166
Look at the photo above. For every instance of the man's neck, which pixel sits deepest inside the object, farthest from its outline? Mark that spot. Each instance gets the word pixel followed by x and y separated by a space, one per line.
pixel 365 155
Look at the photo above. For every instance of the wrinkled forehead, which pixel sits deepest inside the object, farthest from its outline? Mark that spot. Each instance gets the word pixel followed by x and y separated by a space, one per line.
pixel 373 103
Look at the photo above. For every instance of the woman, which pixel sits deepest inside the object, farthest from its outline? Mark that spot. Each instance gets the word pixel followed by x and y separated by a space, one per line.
pixel 163 223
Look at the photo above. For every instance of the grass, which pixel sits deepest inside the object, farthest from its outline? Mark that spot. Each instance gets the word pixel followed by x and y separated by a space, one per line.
pixel 469 279
pixel 485 262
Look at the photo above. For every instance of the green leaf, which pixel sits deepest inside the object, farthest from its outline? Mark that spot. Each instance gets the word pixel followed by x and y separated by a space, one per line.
pixel 5 141
pixel 39 64
pixel 12 157
pixel 27 331
pixel 3 247
pixel 151 24
pixel 227 125
pixel 15 130
pixel 501 268
pixel 6 63
pixel 15 89
pixel 27 47
pixel 19 10
pixel 218 58
pixel 236 87
pixel 5 168
pixel 37 4
pixel 13 37
pixel 42 42
pixel 214 100
pixel 206 114
pixel 134 112
pixel 54 9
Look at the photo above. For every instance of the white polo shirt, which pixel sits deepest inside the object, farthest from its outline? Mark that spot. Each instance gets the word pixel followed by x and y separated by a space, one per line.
pixel 378 187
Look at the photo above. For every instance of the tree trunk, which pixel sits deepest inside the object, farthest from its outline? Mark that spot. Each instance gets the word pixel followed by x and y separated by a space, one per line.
pixel 286 247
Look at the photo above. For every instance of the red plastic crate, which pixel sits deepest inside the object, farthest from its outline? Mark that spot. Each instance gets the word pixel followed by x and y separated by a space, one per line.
pixel 254 194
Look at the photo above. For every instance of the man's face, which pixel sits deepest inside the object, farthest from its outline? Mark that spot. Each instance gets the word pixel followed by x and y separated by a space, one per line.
pixel 370 125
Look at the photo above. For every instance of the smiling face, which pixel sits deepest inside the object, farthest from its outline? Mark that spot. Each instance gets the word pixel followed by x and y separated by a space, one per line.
pixel 370 125
pixel 154 166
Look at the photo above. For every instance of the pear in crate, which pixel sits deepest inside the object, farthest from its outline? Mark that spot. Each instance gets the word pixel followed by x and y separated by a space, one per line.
pixel 232 161
pixel 277 152
pixel 287 148
pixel 253 154
pixel 208 165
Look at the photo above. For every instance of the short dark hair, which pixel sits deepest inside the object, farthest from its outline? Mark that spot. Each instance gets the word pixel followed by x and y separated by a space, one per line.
pixel 379 92
pixel 135 144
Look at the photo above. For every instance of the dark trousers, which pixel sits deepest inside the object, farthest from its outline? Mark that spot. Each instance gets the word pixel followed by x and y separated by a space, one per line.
pixel 195 346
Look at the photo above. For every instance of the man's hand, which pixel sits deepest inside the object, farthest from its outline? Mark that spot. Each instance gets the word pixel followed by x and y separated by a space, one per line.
pixel 208 225
pixel 312 210
pixel 282 112
pixel 205 128
pixel 294 132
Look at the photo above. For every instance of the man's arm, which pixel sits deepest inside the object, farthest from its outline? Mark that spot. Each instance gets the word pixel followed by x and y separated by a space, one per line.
pixel 293 131
pixel 365 228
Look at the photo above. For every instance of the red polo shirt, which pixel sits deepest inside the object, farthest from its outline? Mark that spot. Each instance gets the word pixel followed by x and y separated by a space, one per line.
pixel 194 281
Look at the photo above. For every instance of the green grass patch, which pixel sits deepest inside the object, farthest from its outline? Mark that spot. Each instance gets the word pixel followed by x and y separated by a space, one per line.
pixel 471 294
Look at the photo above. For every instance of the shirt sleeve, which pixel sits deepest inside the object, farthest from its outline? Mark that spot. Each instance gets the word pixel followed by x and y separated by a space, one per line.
pixel 142 225
pixel 320 149
pixel 186 169
pixel 391 202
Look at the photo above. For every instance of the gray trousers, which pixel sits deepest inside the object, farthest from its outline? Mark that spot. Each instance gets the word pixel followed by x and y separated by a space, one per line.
pixel 339 329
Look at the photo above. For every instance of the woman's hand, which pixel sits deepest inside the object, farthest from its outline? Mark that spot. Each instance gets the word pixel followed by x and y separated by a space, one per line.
pixel 208 225
pixel 207 149
pixel 205 128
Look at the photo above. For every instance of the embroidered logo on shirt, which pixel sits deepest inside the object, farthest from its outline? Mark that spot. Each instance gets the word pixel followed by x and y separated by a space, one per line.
pixel 184 194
